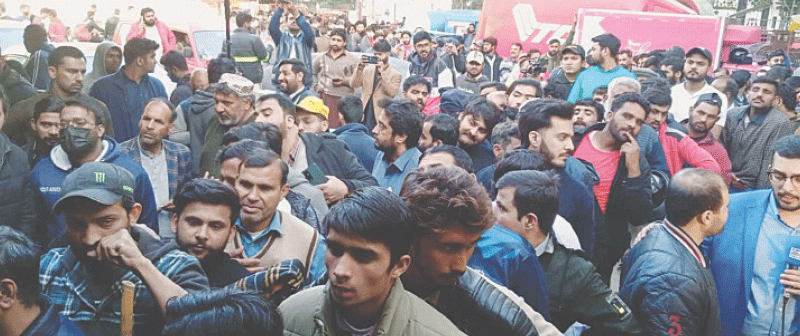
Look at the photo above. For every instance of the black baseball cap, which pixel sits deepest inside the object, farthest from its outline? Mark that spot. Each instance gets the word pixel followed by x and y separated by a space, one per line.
pixel 608 41
pixel 700 50
pixel 102 182
pixel 712 98
pixel 574 49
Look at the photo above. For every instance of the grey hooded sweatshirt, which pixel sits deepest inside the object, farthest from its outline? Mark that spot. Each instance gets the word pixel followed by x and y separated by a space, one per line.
pixel 98 66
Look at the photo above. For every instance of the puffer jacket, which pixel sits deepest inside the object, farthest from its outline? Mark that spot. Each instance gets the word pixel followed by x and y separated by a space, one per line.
pixel 17 195
pixel 669 291
pixel 310 312
pixel 248 51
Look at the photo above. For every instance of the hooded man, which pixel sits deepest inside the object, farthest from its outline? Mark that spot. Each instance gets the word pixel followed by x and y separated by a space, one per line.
pixel 107 59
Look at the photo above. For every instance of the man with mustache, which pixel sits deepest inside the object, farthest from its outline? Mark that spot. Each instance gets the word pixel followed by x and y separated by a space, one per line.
pixel 292 76
pixel 603 58
pixel 475 124
pixel 45 126
pixel 425 63
pixel 684 95
pixel 168 164
pixel 704 115
pixel 153 29
pixel 587 112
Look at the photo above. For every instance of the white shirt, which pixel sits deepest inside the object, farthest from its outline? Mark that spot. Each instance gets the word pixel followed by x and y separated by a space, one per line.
pixel 683 101
pixel 151 33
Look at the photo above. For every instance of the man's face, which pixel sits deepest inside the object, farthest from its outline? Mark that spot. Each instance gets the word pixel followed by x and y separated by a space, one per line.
pixel 556 141
pixel 657 116
pixel 600 98
pixel 425 139
pixel 777 60
pixel 488 48
pixel 270 112
pixel 499 99
pixel 311 122
pixel 230 108
pixel 383 56
pixel 68 75
pixel 46 128
pixel 149 18
pixel 471 130
pixel 202 229
pixel 628 119
pixel 515 50
pixel 25 10
pixel 761 95
pixel 337 43
pixel 260 190
pixel 703 117
pixel 382 132
pixel 534 56
pixel 624 60
pixel 78 115
pixel 417 94
pixel 360 28
pixel 406 39
pixel 440 256
pixel 521 94
pixel 554 47
pixel 423 48
pixel 595 55
pixel 288 80
pixel 360 271
pixel 506 212
pixel 438 159
pixel 571 63
pixel 474 69
pixel 672 76
pixel 113 60
pixel 787 195
pixel 471 29
pixel 155 124
pixel 696 67
pixel 229 171
pixel 87 222
pixel 293 26
pixel 584 116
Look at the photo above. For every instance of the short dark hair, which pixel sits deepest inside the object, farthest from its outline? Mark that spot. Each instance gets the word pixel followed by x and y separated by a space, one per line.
pixel 460 156
pixel 382 46
pixel 520 159
pixel 242 19
pixel 555 90
pixel 779 72
pixel 339 32
pixel 691 192
pixel 654 60
pixel 351 109
pixel 732 88
pixel 376 215
pixel 241 149
pixel 658 97
pixel 297 65
pixel 600 90
pixel 551 41
pixel 535 192
pixel 56 57
pixel 258 131
pixel 504 132
pixel 788 97
pixel 788 147
pixel 34 36
pixel 421 35
pixel 766 80
pixel 486 110
pixel 526 82
pixel 673 62
pixel 219 66
pixel 415 80
pixel 536 115
pixel 137 47
pixel 630 97
pixel 50 103
pixel 404 118
pixel 262 158
pixel 519 45
pixel 626 51
pixel 283 101
pixel 226 311
pixel 657 83
pixel 146 10
pixel 608 41
pixel 598 108
pixel 206 191
pixel 497 85
pixel 405 32
pixel 82 103
pixel 19 261
pixel 444 127
pixel 174 58
pixel 442 196
pixel 491 40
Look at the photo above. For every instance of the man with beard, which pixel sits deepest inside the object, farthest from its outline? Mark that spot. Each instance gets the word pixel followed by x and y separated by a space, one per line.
pixel 472 80
pixel 66 70
pixel 417 90
pixel 684 95
pixel 492 59
pixel 475 124
pixel 520 91
pixel 704 115
pixel 425 62
pixel 551 59
pixel 168 164
pixel 396 133
pixel 672 67
pixel 438 129
pixel 178 73
pixel 205 212
pixel 107 247
pixel 469 35
pixel 292 76
pixel 247 49
pixel 623 191
pixel 603 60
pixel 333 72
pixel 107 60
pixel 153 29
pixel 587 112
pixel 572 58
pixel 45 125
pixel 34 37
pixel 750 133
pixel 296 43
pixel 83 141
pixel 377 82
pixel 625 59
pixel 759 227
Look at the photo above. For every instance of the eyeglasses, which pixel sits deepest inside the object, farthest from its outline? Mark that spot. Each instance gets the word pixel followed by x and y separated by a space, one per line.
pixel 79 123
pixel 780 178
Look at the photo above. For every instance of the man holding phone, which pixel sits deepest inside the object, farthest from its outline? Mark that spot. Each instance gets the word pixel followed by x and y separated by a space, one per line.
pixel 377 79
pixel 333 71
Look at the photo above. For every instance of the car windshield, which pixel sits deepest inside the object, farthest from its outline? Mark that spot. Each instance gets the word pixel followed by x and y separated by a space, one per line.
pixel 10 37
pixel 209 43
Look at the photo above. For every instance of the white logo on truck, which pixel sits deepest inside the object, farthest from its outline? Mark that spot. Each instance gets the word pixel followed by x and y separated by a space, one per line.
pixel 528 26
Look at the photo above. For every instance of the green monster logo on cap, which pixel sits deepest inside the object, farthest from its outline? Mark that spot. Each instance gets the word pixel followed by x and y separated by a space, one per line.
pixel 99 177
pixel 127 188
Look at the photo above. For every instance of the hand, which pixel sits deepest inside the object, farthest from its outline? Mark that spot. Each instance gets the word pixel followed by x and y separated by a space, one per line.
pixel 738 184
pixel 252 265
pixel 119 249
pixel 631 151
pixel 303 9
pixel 334 189
pixel 292 9
pixel 791 280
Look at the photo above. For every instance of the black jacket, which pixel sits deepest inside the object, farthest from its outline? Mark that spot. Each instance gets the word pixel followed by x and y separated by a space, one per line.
pixel 221 270
pixel 335 158
pixel 17 195
pixel 248 50
pixel 51 323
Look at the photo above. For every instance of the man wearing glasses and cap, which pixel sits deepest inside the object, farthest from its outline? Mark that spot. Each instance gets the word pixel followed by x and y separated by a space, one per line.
pixel 684 95
pixel 702 118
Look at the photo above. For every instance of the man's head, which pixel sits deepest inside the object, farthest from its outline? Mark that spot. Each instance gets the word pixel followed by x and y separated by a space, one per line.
pixel 312 115
pixel 697 199
pixel 231 156
pixel 522 90
pixel 156 121
pixel 777 57
pixel 626 117
pixel 243 20
pixel 489 87
pixel 369 238
pixel 553 47
pixel 697 64
pixel 520 159
pixel 338 39
pixel 477 122
pixel 673 69
pixel 449 211
pixel 218 67
pixel 398 125
pixel 545 126
pixel 46 116
pixel 446 156
pixel 498 98
pixel 604 48
pixel 148 16
pixel 261 185
pixel 405 37
pixel 34 37
pixel 233 99
pixel 489 46
pixel 291 73
pixel 113 59
pixel 474 63
pixel 422 43
pixel 360 26
pixel 787 99
pixel 175 64
pixel 572 57
pixel 505 138
pixel 350 109
pixel 19 274
pixel 785 173
pixel 204 215
pixel 527 202
pixel 25 9
pixel 225 311
pixel 762 93
pixel 81 128
pixel 600 94
pixel 416 89
pixel 721 73
pixel 382 50
pixel 586 112
pixel 515 51
pixel 140 53
pixel 198 80
pixel 67 67
pixel 438 129
pixel 727 86
pixel 277 109
pixel 660 101
pixel 625 58
pixel 621 85
pixel 705 113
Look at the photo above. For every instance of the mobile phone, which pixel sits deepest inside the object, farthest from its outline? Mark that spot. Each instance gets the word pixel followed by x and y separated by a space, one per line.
pixel 315 175
pixel 372 60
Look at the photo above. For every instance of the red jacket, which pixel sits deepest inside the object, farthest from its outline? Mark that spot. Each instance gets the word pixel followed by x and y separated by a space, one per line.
pixel 56 30
pixel 168 40
pixel 680 149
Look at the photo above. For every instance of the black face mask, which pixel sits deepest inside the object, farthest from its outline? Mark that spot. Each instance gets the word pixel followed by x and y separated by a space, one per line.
pixel 76 140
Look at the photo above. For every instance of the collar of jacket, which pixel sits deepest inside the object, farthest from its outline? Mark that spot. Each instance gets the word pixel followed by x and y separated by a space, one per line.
pixel 392 320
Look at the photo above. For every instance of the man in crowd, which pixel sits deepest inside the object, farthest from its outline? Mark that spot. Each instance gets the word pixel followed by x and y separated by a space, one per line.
pixel 204 216
pixel 425 63
pixel 178 73
pixel 154 30
pixel 227 311
pixel 303 150
pixel 522 90
pixel 684 95
pixel 572 58
pixel 417 90
pixel 603 58
pixel 168 164
pixel 233 99
pixel 19 199
pixel 527 202
pixel 587 112
pixel 760 227
pixel 106 246
pixel 312 115
pixel 551 58
pixel 397 132
pixel 472 80
pixel 623 191
pixel 750 133
pixel 672 67
pixel 438 129
pixel 84 141
pixel 702 119
pixel 625 59
pixel 107 60
pixel 45 128
pixel 666 279
pixel 24 312
pixel 505 138
pixel 365 294
pixel 353 133
pixel 474 126
pixel 297 42
pixel 377 82
pixel 35 40
pixel 126 91
pixel 492 63
pixel 333 72
pixel 247 49
pixel 292 75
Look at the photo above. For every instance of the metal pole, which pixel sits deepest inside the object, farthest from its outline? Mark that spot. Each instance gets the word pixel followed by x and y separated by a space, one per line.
pixel 228 27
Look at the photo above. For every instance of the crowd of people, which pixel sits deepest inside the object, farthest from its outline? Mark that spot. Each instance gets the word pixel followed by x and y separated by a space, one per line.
pixel 567 192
